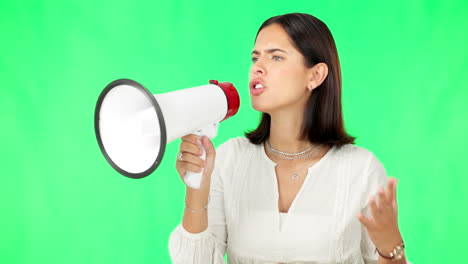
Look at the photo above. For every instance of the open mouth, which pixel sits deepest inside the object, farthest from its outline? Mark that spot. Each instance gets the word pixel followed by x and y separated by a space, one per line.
pixel 257 84
pixel 256 87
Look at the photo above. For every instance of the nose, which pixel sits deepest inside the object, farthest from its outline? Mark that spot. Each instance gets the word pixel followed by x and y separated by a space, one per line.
pixel 257 69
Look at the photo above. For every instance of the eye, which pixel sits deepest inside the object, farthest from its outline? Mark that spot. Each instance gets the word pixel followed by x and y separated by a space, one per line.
pixel 254 59
pixel 277 58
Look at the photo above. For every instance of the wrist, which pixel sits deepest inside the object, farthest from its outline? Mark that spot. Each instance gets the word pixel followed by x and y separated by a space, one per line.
pixel 394 254
pixel 391 241
pixel 195 198
pixel 205 207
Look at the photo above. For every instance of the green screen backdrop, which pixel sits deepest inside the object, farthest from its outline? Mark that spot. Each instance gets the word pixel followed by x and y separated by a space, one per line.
pixel 404 66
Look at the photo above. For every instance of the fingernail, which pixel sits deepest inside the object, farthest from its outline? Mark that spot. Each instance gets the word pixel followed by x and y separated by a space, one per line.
pixel 199 142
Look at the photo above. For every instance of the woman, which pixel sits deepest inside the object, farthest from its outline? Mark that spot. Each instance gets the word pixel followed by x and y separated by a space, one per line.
pixel 293 190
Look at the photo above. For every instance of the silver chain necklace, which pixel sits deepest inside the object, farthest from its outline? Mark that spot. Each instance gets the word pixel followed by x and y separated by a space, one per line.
pixel 295 175
pixel 270 149
pixel 288 154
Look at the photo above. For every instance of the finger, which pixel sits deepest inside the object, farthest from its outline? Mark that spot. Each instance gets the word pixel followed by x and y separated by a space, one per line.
pixel 389 189
pixel 191 167
pixel 189 147
pixel 373 207
pixel 210 150
pixel 394 201
pixel 364 220
pixel 382 202
pixel 208 144
pixel 192 159
pixel 192 138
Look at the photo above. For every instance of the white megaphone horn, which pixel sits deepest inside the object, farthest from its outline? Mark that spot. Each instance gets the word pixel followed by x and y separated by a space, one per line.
pixel 134 126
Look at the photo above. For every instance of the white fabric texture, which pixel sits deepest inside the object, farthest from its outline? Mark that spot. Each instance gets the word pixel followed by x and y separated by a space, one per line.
pixel 321 225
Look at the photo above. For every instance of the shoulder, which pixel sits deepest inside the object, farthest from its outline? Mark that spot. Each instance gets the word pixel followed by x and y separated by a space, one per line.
pixel 365 167
pixel 356 154
pixel 233 147
pixel 236 145
pixel 229 154
pixel 364 163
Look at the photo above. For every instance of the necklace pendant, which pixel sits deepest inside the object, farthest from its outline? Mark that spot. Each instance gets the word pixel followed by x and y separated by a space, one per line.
pixel 295 177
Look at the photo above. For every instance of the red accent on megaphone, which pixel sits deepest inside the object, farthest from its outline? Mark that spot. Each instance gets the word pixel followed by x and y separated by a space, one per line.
pixel 232 97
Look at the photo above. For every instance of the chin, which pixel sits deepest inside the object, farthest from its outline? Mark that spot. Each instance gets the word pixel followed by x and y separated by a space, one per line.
pixel 261 106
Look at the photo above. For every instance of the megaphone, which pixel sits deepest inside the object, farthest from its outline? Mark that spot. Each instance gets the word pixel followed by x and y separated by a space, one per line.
pixel 133 126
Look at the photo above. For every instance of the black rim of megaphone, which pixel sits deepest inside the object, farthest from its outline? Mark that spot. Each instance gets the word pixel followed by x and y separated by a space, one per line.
pixel 162 126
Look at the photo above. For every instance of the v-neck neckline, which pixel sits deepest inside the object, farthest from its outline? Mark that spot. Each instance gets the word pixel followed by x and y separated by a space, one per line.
pixel 306 182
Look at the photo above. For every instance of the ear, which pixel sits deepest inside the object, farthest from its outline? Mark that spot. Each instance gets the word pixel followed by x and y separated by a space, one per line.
pixel 317 75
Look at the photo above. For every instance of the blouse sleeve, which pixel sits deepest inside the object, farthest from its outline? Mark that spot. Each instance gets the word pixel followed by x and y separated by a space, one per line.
pixel 209 246
pixel 377 176
pixel 367 246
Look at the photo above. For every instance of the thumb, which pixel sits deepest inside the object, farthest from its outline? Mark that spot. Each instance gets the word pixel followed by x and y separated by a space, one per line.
pixel 209 148
pixel 209 162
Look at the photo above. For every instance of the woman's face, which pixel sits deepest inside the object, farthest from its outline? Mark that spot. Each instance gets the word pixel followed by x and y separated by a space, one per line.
pixel 280 68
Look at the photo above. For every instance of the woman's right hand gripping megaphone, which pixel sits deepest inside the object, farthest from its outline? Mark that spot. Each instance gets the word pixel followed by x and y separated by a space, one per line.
pixel 189 159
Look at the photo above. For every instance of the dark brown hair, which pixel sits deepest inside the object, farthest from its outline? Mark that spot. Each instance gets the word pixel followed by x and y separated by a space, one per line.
pixel 323 118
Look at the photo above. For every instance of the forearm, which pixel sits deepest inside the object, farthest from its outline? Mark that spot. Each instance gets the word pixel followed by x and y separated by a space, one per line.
pixel 195 222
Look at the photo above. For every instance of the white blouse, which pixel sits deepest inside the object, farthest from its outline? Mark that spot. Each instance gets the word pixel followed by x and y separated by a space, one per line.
pixel 321 225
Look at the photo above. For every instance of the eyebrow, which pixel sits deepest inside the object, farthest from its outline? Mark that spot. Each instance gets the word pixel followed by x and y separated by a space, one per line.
pixel 268 51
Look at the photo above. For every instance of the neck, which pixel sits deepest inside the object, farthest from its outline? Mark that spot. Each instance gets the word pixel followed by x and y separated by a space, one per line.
pixel 285 129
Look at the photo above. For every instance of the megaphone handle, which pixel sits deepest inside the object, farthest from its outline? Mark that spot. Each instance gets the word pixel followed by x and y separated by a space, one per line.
pixel 193 179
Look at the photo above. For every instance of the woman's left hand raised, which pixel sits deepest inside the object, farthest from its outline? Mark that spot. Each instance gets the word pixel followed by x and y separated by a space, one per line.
pixel 382 223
